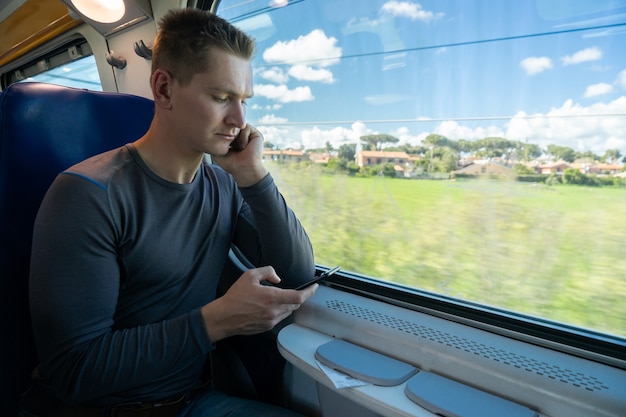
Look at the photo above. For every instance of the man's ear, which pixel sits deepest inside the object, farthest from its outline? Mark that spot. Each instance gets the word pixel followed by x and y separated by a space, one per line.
pixel 161 83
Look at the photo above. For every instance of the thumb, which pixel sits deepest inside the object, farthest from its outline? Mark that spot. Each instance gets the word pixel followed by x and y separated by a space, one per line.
pixel 267 273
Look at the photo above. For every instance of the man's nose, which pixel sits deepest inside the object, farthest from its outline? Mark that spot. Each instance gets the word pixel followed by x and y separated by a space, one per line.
pixel 236 115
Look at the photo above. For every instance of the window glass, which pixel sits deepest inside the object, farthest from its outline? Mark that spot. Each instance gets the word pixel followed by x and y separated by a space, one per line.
pixel 473 149
pixel 81 73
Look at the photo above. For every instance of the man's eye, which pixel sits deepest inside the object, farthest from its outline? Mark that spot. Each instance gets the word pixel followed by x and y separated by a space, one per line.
pixel 220 99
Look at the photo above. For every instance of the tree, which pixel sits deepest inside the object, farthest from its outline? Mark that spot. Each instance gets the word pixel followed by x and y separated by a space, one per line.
pixel 352 168
pixel 447 161
pixel 376 142
pixel 336 164
pixel 438 141
pixel 588 156
pixel 612 155
pixel 574 176
pixel 528 151
pixel 564 153
pixel 347 151
pixel 268 145
pixel 465 145
pixel 388 170
pixel 495 147
pixel 433 142
pixel 521 169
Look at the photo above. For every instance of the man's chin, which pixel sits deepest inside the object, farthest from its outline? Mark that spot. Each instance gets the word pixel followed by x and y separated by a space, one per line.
pixel 220 151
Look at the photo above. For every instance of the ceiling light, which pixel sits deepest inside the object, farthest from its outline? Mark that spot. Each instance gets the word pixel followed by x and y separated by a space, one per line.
pixel 103 11
pixel 110 16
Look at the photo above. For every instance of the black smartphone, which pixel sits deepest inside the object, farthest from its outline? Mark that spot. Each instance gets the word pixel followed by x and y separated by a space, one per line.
pixel 318 278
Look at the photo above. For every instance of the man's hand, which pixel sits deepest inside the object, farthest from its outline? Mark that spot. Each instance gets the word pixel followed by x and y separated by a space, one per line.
pixel 244 161
pixel 249 307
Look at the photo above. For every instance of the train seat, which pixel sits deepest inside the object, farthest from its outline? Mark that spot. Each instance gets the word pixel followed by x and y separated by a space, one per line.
pixel 44 129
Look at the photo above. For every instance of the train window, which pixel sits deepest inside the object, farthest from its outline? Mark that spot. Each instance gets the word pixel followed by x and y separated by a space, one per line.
pixel 472 150
pixel 72 65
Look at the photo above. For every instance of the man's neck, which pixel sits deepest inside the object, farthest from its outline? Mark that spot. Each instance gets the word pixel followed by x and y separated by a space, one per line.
pixel 166 160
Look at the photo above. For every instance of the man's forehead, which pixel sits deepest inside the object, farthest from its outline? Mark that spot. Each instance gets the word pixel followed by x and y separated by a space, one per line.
pixel 228 83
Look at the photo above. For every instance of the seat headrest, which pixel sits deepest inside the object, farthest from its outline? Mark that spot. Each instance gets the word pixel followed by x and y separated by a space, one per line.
pixel 44 129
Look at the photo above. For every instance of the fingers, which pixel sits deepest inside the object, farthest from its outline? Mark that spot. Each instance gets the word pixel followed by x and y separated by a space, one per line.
pixel 308 292
pixel 241 142
pixel 285 298
pixel 246 136
pixel 258 275
pixel 261 307
pixel 288 301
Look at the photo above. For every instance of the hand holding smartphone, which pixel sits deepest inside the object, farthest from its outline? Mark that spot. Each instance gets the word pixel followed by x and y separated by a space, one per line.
pixel 318 278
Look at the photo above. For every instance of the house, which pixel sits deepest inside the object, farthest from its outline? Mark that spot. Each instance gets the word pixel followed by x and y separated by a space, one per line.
pixel 484 167
pixel 371 158
pixel 607 169
pixel 403 164
pixel 320 157
pixel 283 155
pixel 552 167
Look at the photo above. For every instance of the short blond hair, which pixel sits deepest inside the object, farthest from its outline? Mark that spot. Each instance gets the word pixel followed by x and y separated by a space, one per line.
pixel 185 39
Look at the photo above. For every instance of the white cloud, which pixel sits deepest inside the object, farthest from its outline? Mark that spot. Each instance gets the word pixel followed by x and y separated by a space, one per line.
pixel 410 10
pixel 534 65
pixel 270 107
pixel 585 55
pixel 270 119
pixel 317 138
pixel 452 130
pixel 621 79
pixel 307 73
pixel 315 48
pixel 283 94
pixel 275 75
pixel 598 90
pixel 571 125
pixel 557 127
pixel 359 129
pixel 405 136
pixel 337 136
pixel 280 137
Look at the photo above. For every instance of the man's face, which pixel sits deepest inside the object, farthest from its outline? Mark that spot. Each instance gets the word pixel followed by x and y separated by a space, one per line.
pixel 210 111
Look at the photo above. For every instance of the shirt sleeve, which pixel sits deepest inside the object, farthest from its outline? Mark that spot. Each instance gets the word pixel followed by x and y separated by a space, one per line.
pixel 74 287
pixel 279 238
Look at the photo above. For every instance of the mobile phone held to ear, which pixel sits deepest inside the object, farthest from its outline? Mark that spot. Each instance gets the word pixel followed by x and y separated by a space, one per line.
pixel 318 278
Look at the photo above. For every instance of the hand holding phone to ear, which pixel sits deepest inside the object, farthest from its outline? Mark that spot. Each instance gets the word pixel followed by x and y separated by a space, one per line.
pixel 244 160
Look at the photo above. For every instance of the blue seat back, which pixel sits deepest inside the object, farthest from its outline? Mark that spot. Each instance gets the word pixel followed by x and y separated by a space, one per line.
pixel 44 129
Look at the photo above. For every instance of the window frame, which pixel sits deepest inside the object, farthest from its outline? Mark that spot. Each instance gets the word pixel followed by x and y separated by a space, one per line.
pixel 70 51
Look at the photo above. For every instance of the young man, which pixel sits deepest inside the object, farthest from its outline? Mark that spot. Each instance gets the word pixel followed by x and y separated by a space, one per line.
pixel 129 245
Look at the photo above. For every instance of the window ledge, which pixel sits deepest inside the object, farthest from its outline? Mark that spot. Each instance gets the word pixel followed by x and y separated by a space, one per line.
pixel 556 384
pixel 298 344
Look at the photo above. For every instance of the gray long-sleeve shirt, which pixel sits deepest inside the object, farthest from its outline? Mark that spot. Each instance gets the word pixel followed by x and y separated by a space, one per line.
pixel 123 260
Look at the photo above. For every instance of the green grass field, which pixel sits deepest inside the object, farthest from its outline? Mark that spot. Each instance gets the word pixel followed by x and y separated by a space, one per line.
pixel 555 252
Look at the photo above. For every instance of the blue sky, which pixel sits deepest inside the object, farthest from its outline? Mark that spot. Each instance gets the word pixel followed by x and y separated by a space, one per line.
pixel 466 69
